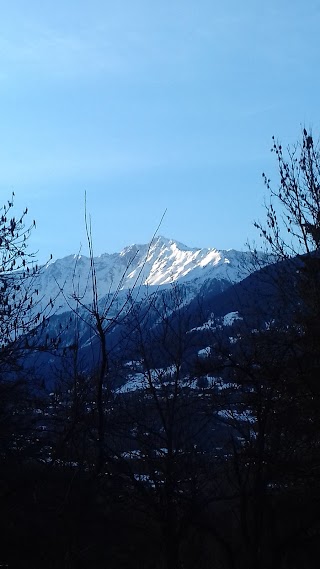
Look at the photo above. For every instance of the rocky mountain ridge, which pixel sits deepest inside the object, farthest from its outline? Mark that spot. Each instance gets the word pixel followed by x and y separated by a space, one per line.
pixel 158 264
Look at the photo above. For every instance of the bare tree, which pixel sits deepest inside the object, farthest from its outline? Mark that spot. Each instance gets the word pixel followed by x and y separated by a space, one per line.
pixel 293 211
pixel 21 313
pixel 163 444
pixel 101 315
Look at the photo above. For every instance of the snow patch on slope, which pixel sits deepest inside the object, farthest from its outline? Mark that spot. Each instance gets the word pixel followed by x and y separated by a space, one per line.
pixel 230 318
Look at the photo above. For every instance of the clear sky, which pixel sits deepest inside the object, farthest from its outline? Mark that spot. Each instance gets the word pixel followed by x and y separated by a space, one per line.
pixel 147 106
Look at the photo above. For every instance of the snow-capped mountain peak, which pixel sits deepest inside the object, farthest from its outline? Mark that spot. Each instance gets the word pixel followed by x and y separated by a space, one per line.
pixel 159 263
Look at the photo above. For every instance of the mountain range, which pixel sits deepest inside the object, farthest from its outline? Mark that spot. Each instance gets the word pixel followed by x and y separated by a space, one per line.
pixel 156 265
pixel 148 283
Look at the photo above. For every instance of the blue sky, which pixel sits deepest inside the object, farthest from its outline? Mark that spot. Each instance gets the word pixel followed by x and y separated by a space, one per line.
pixel 149 106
